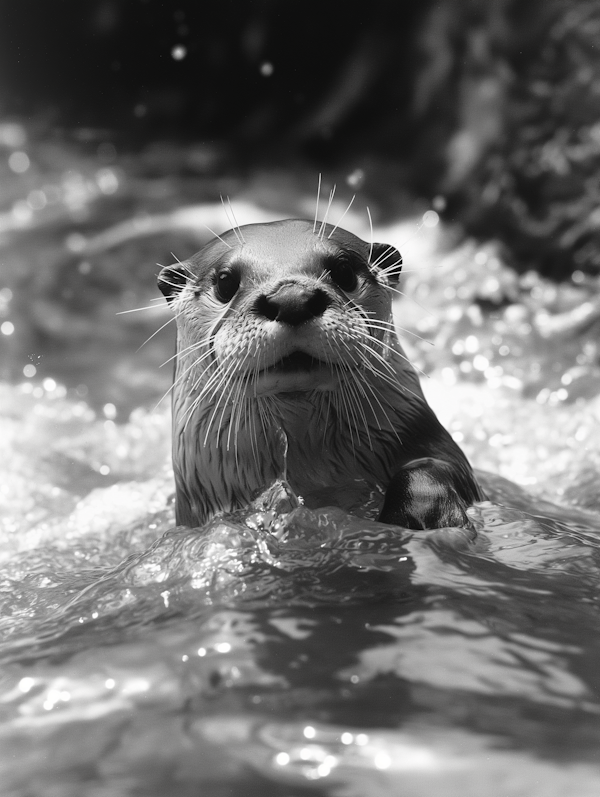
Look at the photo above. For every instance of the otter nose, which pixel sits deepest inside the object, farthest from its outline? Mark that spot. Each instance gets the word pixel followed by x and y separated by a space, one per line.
pixel 293 304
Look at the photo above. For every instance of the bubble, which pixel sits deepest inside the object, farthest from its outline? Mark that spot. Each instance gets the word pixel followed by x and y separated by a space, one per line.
pixel 282 759
pixel 29 371
pixel 37 199
pixel 382 760
pixel 22 212
pixel 104 470
pixel 49 385
pixel 439 203
pixel 471 344
pixel 12 135
pixel 110 411
pixel 110 683
pixel 309 732
pixel 19 162
pixel 430 218
pixel 75 242
pixel 26 684
pixel 179 52
pixel 356 178
pixel 222 647
pixel 266 69
pixel 7 328
pixel 140 110
pixel 107 180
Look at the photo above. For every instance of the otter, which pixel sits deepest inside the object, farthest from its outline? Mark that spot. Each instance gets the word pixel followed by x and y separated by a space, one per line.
pixel 288 361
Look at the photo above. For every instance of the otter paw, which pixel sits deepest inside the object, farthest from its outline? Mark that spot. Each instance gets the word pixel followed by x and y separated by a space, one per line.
pixel 421 495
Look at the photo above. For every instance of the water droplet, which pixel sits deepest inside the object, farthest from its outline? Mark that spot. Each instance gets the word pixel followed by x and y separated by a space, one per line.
pixel 29 371
pixel 107 180
pixel 179 52
pixel 110 411
pixel 266 69
pixel 19 162
pixel 7 328
pixel 36 199
pixel 25 685
pixel 430 218
pixel 382 760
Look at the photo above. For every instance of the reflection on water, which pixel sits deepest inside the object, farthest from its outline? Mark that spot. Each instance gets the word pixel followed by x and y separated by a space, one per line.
pixel 279 651
pixel 283 651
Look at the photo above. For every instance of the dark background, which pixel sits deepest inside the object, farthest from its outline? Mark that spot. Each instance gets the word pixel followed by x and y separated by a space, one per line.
pixel 492 104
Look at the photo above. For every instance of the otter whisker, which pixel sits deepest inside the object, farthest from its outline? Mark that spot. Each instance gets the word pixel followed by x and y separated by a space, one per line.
pixel 372 242
pixel 139 309
pixel 327 209
pixel 391 380
pixel 166 324
pixel 216 376
pixel 201 344
pixel 182 263
pixel 387 252
pixel 410 298
pixel 354 387
pixel 225 387
pixel 378 324
pixel 317 208
pixel 342 216
pixel 179 379
pixel 345 410
pixel 234 227
pixel 217 235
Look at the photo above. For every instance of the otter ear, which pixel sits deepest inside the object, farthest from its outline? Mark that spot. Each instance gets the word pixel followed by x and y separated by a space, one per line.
pixel 386 260
pixel 171 280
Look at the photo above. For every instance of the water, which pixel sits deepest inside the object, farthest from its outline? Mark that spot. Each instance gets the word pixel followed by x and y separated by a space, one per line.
pixel 285 652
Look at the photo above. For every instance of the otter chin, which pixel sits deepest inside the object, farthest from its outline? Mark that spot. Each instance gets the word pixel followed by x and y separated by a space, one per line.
pixel 285 332
pixel 297 372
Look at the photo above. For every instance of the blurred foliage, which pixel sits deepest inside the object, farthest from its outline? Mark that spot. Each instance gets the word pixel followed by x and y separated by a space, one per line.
pixel 538 186
pixel 490 105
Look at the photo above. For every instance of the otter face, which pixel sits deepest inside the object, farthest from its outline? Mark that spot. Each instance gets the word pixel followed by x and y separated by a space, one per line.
pixel 277 308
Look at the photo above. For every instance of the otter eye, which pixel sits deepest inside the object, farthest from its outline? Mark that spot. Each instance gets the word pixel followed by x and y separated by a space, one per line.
pixel 343 275
pixel 226 285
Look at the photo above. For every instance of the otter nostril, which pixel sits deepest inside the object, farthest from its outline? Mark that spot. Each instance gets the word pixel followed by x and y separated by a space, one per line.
pixel 293 304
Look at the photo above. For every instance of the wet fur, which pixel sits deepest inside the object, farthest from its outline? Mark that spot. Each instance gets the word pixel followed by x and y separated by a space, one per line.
pixel 229 443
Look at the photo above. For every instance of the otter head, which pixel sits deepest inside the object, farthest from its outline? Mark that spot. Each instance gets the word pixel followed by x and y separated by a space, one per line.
pixel 291 310
pixel 273 318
